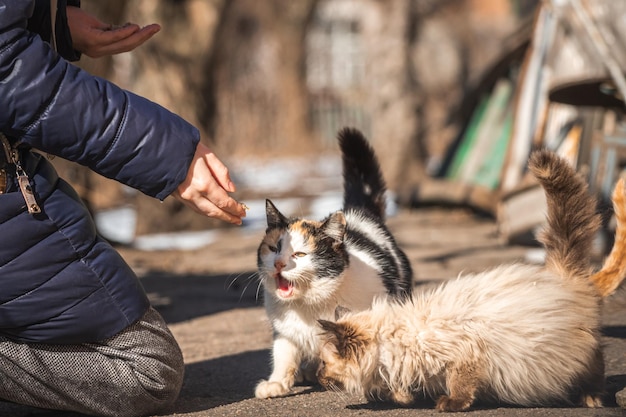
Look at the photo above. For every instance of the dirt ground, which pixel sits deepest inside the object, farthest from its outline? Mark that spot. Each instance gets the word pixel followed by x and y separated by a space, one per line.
pixel 210 298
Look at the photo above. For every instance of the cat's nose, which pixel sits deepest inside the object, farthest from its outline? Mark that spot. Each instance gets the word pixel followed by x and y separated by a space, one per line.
pixel 278 264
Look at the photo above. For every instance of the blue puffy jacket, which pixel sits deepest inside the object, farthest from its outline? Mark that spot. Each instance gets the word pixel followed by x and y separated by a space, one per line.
pixel 59 281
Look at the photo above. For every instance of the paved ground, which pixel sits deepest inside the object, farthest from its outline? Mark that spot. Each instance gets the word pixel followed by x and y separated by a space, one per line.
pixel 209 299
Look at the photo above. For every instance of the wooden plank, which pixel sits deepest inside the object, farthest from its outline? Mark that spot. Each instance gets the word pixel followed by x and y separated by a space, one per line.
pixel 467 141
pixel 521 212
pixel 530 99
pixel 441 192
pixel 488 131
pixel 491 169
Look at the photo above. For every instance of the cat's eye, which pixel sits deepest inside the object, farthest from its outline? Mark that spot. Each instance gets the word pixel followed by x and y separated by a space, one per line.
pixel 276 248
pixel 299 254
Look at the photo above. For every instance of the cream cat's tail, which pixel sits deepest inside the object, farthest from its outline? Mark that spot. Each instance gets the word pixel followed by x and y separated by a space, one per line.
pixel 613 271
pixel 572 220
pixel 364 186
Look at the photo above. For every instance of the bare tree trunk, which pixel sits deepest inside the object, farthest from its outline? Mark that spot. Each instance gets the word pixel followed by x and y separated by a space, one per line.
pixel 392 101
pixel 259 77
pixel 171 69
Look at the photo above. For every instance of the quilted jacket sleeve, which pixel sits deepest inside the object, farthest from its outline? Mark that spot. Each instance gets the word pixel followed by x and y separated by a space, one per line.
pixel 58 108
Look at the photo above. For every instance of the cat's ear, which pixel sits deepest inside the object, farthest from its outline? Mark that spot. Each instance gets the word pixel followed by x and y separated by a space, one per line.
pixel 341 311
pixel 335 226
pixel 275 219
pixel 328 326
pixel 331 331
pixel 347 339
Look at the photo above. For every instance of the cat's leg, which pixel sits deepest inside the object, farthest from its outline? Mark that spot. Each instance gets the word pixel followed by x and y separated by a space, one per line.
pixel 592 387
pixel 462 382
pixel 404 398
pixel 286 361
pixel 308 371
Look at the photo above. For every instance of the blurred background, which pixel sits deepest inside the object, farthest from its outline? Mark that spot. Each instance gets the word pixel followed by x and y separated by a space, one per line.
pixel 452 94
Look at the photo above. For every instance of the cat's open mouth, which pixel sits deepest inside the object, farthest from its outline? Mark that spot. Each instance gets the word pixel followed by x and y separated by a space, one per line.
pixel 284 286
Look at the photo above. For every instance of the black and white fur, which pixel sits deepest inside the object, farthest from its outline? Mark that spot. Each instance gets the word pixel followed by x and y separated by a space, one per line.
pixel 309 268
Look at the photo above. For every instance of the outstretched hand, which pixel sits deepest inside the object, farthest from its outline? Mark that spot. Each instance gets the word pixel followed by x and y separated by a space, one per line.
pixel 208 182
pixel 206 188
pixel 96 39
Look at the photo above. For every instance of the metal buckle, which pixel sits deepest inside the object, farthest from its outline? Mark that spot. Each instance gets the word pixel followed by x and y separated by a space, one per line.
pixel 13 157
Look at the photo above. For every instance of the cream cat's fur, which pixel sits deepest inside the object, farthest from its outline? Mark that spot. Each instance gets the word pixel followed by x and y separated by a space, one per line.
pixel 518 334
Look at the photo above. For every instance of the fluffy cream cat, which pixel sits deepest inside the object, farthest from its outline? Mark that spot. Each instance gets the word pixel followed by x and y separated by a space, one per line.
pixel 517 334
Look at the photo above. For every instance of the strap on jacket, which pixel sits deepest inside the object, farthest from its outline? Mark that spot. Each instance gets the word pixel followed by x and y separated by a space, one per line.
pixel 13 157
pixel 53 18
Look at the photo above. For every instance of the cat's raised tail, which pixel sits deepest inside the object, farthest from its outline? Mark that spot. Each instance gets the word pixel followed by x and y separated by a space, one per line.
pixel 610 277
pixel 572 219
pixel 364 186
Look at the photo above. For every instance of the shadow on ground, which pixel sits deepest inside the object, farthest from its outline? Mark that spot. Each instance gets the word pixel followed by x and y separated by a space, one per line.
pixel 224 380
pixel 184 297
pixel 232 379
pixel 227 380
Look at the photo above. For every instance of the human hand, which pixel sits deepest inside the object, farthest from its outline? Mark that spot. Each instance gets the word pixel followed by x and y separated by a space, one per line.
pixel 96 39
pixel 206 188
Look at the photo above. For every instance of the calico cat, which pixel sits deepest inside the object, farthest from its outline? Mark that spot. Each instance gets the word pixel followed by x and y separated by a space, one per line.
pixel 613 271
pixel 309 268
pixel 517 334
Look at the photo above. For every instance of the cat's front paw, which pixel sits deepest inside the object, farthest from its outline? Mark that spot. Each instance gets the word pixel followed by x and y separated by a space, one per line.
pixel 445 403
pixel 591 401
pixel 270 389
pixel 402 398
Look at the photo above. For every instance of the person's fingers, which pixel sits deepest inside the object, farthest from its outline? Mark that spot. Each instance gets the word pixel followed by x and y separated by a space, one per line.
pixel 220 199
pixel 206 207
pixel 123 39
pixel 109 33
pixel 95 38
pixel 219 172
pixel 206 188
pixel 206 196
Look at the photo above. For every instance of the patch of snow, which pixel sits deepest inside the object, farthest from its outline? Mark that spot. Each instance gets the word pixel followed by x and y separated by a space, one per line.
pixel 175 240
pixel 118 224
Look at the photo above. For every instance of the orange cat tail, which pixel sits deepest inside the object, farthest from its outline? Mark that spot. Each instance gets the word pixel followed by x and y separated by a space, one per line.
pixel 613 272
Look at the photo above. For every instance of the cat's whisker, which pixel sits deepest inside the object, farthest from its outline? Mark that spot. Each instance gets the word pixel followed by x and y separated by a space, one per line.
pixel 339 392
pixel 250 280
pixel 260 276
pixel 258 290
pixel 232 281
pixel 254 277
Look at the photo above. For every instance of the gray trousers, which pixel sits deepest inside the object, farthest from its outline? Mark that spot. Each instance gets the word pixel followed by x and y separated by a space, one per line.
pixel 137 372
